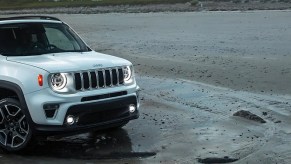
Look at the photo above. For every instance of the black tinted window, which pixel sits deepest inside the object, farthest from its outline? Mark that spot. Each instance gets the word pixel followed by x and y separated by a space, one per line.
pixel 38 38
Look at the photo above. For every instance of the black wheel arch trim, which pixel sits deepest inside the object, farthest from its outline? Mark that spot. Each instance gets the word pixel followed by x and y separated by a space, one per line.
pixel 17 89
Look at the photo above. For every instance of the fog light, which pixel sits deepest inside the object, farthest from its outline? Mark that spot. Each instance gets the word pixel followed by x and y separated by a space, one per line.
pixel 132 108
pixel 70 120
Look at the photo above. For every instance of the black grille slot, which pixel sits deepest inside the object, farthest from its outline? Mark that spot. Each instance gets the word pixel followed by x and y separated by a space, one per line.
pixel 93 79
pixel 78 82
pixel 121 76
pixel 86 80
pixel 101 79
pixel 114 77
pixel 108 78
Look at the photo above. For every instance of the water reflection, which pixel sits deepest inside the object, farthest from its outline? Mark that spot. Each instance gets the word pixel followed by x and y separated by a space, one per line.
pixel 98 145
pixel 89 146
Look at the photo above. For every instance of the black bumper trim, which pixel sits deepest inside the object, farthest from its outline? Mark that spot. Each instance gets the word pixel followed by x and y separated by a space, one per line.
pixel 104 96
pixel 64 130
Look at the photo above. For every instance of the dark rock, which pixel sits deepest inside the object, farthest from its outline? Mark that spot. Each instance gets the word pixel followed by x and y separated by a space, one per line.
pixel 250 116
pixel 217 160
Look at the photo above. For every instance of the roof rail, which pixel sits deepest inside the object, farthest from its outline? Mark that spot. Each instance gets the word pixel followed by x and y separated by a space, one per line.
pixel 31 17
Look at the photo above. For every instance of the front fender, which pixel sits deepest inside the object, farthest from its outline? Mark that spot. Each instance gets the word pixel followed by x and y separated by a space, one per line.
pixel 24 76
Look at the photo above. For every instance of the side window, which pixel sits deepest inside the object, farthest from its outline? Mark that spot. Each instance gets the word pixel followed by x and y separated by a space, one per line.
pixel 59 39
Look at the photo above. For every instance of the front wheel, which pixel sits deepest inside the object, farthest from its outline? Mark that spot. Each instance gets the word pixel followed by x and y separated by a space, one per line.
pixel 15 132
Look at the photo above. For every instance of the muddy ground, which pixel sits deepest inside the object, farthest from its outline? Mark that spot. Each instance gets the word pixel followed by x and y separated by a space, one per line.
pixel 196 70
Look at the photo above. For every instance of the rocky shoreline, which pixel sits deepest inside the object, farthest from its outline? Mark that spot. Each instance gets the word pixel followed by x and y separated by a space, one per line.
pixel 182 7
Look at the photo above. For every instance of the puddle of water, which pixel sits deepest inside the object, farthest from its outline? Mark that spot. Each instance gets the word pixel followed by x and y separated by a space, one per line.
pixel 99 145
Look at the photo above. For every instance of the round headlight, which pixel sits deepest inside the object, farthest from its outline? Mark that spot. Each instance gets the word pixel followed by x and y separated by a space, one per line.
pixel 127 73
pixel 58 81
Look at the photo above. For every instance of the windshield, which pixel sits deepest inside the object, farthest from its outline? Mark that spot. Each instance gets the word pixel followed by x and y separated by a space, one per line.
pixel 26 39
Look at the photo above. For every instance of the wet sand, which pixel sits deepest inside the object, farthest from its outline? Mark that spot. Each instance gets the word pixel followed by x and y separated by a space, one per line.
pixel 189 123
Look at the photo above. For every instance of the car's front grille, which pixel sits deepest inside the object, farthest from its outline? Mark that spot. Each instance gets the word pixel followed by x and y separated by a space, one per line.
pixel 101 78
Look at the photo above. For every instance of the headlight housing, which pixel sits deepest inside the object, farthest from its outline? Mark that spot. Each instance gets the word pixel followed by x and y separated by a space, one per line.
pixel 62 83
pixel 58 81
pixel 128 74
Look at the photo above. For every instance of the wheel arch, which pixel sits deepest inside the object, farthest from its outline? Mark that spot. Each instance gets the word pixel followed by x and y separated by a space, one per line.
pixel 11 88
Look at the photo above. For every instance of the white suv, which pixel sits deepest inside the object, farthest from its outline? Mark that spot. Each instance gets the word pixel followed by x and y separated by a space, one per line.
pixel 52 83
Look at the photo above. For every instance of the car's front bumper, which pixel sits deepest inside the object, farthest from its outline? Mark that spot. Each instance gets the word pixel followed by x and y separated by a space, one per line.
pixel 37 102
pixel 94 116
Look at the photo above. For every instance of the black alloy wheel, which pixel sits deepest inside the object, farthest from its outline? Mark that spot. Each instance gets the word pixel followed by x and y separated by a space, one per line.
pixel 15 132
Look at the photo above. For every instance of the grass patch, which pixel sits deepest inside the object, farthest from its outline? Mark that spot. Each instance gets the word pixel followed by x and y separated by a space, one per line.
pixel 29 4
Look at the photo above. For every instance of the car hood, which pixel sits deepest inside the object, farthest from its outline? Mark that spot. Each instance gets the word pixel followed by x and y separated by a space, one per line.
pixel 70 61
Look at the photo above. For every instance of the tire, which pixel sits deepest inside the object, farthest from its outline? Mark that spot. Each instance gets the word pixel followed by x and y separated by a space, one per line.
pixel 15 131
